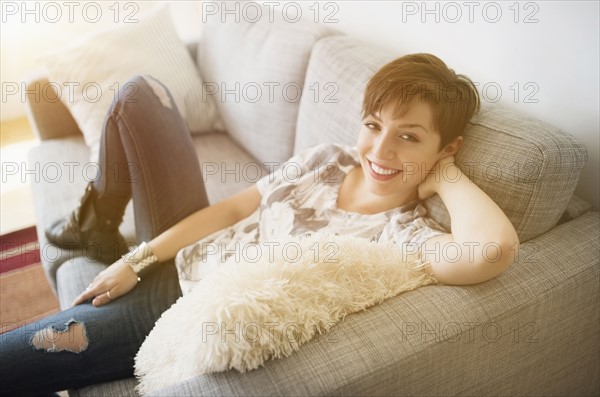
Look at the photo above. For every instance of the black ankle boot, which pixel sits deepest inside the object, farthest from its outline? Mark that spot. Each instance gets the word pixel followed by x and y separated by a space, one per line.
pixel 85 228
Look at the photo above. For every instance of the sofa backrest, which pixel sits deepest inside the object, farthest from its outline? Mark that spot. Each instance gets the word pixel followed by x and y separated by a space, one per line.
pixel 255 71
pixel 528 167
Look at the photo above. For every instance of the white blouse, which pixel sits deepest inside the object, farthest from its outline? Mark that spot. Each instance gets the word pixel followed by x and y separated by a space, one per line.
pixel 298 198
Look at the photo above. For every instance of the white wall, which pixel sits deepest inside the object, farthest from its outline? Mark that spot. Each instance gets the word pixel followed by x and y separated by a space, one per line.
pixel 557 52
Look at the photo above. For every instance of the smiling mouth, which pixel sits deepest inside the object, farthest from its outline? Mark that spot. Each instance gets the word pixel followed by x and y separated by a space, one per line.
pixel 382 171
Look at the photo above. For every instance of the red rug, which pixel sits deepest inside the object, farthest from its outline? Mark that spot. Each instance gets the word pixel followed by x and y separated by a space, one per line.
pixel 19 249
pixel 25 295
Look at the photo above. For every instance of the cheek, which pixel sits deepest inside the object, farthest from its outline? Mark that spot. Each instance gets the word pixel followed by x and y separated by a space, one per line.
pixel 362 143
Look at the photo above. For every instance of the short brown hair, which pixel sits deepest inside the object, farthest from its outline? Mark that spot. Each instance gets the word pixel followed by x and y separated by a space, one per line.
pixel 453 97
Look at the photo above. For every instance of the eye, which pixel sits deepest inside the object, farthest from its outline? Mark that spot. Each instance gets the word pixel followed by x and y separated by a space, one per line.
pixel 409 137
pixel 370 125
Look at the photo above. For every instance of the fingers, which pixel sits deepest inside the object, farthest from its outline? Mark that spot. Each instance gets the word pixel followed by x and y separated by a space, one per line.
pixel 109 284
pixel 103 299
pixel 101 295
pixel 85 295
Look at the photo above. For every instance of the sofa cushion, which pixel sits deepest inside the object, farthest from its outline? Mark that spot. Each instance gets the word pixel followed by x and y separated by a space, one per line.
pixel 226 167
pixel 529 168
pixel 117 388
pixel 575 209
pixel 255 71
pixel 340 67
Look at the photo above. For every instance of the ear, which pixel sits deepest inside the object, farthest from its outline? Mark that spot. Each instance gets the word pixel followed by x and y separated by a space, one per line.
pixel 453 147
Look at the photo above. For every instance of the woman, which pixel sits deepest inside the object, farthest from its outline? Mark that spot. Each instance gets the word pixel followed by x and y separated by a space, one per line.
pixel 414 111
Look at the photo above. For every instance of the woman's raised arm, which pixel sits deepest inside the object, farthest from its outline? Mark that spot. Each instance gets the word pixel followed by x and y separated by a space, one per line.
pixel 482 243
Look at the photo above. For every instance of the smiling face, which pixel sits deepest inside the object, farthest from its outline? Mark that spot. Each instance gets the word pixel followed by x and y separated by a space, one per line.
pixel 397 153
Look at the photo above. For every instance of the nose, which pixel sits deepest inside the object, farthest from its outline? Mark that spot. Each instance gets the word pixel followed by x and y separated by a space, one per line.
pixel 383 147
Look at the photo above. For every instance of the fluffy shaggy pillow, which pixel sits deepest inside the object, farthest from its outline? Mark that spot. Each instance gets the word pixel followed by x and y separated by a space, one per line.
pixel 98 65
pixel 245 313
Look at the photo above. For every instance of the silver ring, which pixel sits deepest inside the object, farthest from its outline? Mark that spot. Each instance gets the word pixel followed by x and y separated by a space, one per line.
pixel 89 287
pixel 108 294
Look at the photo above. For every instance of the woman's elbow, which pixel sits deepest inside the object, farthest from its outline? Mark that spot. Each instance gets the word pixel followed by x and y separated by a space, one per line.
pixel 497 256
pixel 479 262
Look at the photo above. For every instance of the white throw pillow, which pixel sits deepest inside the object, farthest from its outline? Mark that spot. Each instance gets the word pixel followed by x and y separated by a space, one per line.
pixel 99 64
pixel 246 311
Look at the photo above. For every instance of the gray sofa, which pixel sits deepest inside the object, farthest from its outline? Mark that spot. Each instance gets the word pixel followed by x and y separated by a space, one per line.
pixel 533 330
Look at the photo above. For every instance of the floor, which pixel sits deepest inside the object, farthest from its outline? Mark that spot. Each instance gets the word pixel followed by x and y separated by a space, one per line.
pixel 16 203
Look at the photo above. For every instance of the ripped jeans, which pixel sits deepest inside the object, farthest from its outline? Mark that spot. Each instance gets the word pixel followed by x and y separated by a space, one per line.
pixel 85 345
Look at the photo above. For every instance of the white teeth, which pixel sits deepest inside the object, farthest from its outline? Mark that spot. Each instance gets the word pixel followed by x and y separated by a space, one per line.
pixel 382 171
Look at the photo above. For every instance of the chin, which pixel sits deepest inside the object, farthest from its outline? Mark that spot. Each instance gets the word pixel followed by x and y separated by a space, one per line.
pixel 382 188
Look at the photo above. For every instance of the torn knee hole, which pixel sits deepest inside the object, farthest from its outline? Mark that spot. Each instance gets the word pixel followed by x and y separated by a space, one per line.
pixel 73 339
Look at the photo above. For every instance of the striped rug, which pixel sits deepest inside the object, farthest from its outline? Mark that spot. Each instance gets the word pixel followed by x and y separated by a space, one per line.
pixel 25 295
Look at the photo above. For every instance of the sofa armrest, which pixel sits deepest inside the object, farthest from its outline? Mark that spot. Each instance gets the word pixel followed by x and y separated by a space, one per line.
pixel 533 330
pixel 575 208
pixel 47 114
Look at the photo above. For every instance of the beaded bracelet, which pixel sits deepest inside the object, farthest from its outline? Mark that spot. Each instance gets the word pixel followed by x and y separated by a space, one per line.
pixel 140 259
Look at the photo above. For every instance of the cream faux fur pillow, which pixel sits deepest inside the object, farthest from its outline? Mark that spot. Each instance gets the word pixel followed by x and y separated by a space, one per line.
pixel 246 313
pixel 90 72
